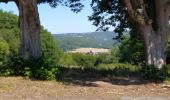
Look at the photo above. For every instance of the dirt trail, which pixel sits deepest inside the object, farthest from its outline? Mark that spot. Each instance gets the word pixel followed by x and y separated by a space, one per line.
pixel 17 88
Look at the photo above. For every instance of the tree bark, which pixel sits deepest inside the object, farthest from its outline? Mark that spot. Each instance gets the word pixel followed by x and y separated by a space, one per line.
pixel 154 37
pixel 155 46
pixel 29 24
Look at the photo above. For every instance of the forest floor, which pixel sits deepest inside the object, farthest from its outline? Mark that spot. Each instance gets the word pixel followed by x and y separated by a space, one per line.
pixel 132 88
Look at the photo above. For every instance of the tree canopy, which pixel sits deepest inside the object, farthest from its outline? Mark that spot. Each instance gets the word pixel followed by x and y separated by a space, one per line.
pixel 108 13
pixel 149 17
pixel 74 5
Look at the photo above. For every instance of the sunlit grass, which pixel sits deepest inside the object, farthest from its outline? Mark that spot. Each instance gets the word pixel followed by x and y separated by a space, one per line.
pixel 5 87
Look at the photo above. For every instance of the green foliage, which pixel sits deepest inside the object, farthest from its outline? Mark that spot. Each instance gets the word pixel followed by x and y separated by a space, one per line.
pixel 4 49
pixel 67 60
pixel 118 69
pixel 74 5
pixel 8 40
pixel 168 52
pixel 45 67
pixel 50 50
pixel 41 69
pixel 112 66
pixel 115 53
pixel 11 64
pixel 103 58
pixel 84 60
pixel 151 72
pixel 110 14
pixel 131 51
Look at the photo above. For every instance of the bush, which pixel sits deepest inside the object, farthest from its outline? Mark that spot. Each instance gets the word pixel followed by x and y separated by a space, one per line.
pixel 43 70
pixel 153 73
pixel 118 69
pixel 40 69
pixel 84 60
pixel 112 66
pixel 4 52
pixel 67 60
pixel 10 62
pixel 131 49
pixel 103 58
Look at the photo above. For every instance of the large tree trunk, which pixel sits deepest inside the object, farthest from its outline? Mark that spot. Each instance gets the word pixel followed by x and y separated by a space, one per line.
pixel 155 46
pixel 153 28
pixel 29 25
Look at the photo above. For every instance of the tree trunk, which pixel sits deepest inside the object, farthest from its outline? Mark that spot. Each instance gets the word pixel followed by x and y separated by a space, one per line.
pixel 155 46
pixel 153 28
pixel 29 24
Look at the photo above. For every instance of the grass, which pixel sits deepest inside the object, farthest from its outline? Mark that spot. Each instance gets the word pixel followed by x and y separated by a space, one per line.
pixel 78 89
pixel 5 87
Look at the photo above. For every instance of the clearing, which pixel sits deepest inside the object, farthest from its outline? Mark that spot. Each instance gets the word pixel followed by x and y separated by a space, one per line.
pixel 18 88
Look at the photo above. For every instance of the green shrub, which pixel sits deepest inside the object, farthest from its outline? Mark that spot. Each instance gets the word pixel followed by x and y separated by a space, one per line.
pixel 4 52
pixel 103 58
pixel 41 69
pixel 117 69
pixel 84 60
pixel 131 49
pixel 67 60
pixel 12 64
pixel 27 72
pixel 112 66
pixel 45 74
pixel 153 73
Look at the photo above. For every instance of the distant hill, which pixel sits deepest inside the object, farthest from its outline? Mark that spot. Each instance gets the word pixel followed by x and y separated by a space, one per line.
pixel 70 41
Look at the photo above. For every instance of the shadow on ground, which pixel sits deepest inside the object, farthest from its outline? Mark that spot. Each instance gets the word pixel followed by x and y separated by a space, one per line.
pixel 91 77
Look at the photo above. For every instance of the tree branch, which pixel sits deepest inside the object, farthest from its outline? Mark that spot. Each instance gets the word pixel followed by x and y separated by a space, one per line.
pixel 136 10
pixel 6 1
pixel 128 7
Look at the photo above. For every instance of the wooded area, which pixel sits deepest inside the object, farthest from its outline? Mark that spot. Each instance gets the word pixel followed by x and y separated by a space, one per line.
pixel 139 23
pixel 29 23
pixel 150 18
pixel 137 63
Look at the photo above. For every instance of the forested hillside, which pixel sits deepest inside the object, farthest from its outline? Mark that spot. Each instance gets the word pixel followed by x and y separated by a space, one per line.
pixel 69 41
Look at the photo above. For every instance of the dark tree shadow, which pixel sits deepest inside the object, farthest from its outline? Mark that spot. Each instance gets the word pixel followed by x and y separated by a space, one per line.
pixel 88 77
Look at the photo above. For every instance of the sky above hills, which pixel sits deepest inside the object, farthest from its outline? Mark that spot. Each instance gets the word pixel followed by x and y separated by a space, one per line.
pixel 60 19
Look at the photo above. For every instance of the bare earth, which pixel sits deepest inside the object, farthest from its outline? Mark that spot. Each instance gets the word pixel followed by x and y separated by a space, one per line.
pixel 18 88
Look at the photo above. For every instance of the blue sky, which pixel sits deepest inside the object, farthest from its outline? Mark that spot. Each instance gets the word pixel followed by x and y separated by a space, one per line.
pixel 60 19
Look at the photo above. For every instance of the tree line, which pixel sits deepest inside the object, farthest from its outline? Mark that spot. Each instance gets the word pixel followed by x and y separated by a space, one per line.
pixel 124 55
pixel 148 20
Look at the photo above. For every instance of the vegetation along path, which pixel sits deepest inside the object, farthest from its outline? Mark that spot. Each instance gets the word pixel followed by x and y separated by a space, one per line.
pixel 18 88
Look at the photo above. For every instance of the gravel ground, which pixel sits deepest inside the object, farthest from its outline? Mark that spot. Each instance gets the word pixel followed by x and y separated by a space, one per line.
pixel 18 88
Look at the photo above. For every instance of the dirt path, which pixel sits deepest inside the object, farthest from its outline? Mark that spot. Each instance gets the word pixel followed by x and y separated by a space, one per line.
pixel 17 88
